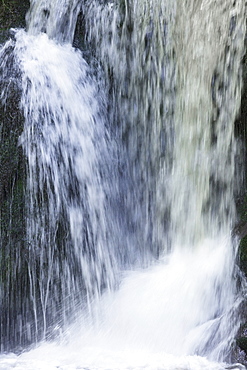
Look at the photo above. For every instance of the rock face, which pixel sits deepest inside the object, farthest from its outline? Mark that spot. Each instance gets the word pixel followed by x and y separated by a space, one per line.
pixel 241 229
pixel 13 269
pixel 12 14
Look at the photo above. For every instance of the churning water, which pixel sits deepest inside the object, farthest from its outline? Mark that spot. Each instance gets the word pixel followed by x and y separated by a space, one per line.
pixel 130 183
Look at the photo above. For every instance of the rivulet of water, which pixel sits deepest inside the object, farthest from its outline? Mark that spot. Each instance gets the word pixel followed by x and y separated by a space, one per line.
pixel 56 18
pixel 130 183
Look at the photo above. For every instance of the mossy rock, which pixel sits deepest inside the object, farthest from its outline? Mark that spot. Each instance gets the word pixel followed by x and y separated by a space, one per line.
pixel 243 255
pixel 242 343
pixel 13 265
pixel 12 15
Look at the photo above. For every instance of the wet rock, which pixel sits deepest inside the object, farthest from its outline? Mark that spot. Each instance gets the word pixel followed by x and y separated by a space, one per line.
pixel 242 343
pixel 12 15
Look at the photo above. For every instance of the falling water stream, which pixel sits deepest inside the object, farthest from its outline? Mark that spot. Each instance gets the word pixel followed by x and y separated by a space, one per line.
pixel 130 183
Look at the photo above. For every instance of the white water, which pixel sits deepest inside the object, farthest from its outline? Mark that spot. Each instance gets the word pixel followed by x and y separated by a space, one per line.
pixel 180 312
pixel 160 318
pixel 64 139
pixel 56 18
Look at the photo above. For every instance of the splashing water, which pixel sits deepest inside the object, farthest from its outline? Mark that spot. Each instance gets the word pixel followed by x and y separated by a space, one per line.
pixel 131 262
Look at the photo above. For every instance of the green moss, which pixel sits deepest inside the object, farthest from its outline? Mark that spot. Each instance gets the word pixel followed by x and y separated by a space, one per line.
pixel 13 266
pixel 12 15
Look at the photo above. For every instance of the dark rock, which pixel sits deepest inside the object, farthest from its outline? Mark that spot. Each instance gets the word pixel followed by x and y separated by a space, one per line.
pixel 12 13
pixel 242 343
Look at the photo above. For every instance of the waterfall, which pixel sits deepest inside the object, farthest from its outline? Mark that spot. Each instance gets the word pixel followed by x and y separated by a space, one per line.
pixel 63 139
pixel 209 93
pixel 130 153
pixel 68 252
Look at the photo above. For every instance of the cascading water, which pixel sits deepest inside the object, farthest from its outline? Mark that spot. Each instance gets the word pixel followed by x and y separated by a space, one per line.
pixel 65 142
pixel 57 19
pixel 63 138
pixel 130 194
